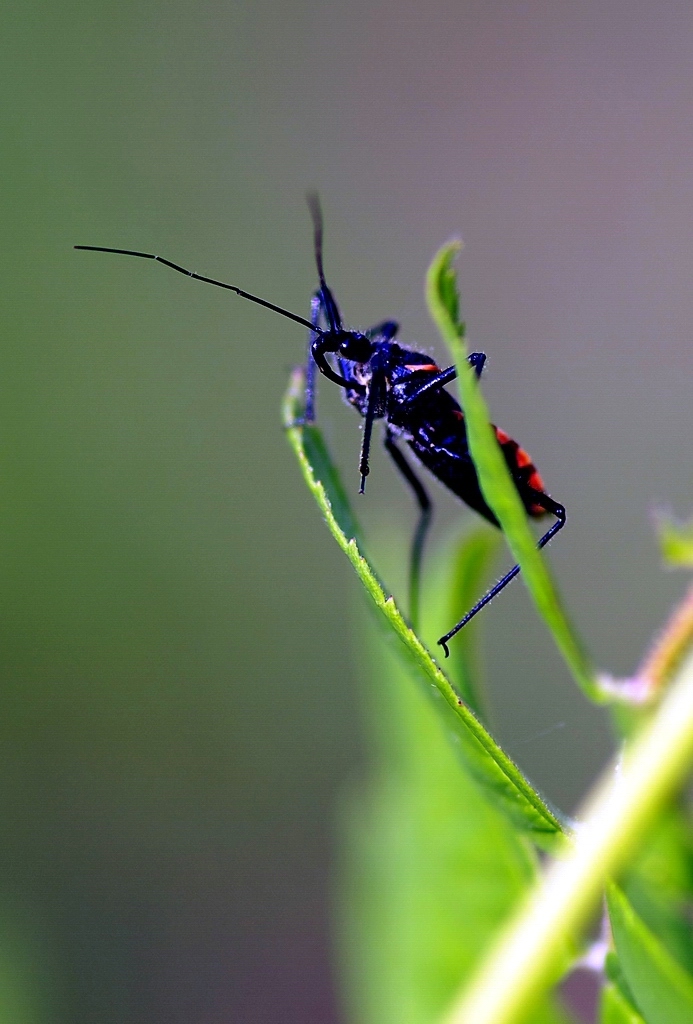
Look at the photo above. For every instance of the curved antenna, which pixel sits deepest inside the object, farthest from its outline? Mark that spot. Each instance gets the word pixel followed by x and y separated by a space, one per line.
pixel 313 200
pixel 331 309
pixel 209 280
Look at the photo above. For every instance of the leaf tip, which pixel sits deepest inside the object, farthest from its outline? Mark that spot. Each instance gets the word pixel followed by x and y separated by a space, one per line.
pixel 441 288
pixel 292 406
pixel 675 540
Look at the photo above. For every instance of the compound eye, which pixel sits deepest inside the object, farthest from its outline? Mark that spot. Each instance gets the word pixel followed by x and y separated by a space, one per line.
pixel 357 348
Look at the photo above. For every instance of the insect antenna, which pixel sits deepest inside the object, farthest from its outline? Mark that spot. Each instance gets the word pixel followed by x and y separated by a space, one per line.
pixel 331 309
pixel 209 280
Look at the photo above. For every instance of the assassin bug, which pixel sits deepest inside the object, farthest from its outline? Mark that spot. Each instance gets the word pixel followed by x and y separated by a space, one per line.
pixel 406 390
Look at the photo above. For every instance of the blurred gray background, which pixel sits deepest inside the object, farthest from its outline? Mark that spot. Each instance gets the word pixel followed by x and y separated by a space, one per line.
pixel 179 708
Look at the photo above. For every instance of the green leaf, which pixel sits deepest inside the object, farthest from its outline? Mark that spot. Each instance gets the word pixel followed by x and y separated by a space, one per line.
pixel 614 973
pixel 494 476
pixel 431 867
pixel 662 989
pixel 623 805
pixel 463 570
pixel 616 1009
pixel 675 541
pixel 659 885
pixel 490 763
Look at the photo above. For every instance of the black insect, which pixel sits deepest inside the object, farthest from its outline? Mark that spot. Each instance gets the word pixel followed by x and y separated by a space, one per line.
pixel 406 390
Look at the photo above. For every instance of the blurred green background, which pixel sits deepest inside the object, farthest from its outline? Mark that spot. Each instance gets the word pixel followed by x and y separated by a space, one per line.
pixel 178 708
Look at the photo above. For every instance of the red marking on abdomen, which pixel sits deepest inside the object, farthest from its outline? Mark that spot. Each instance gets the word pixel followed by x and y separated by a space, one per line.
pixel 429 367
pixel 536 482
pixel 522 460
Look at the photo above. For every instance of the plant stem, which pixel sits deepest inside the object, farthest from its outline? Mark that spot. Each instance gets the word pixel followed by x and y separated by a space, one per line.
pixel 528 956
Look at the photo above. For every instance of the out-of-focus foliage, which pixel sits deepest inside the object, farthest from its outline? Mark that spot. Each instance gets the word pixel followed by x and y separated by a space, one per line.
pixel 675 541
pixel 661 988
pixel 616 1008
pixel 659 886
pixel 432 866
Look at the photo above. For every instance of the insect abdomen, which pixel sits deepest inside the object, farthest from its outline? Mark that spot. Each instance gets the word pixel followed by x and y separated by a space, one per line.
pixel 525 473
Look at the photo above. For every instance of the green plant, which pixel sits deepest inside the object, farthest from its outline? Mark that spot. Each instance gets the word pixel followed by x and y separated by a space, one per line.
pixel 448 914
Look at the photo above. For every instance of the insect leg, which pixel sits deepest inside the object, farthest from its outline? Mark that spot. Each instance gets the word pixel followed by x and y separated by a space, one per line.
pixel 551 506
pixel 555 509
pixel 425 516
pixel 373 409
pixel 476 359
pixel 385 331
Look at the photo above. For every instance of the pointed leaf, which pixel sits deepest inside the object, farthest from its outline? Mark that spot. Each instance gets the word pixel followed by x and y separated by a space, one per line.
pixel 494 477
pixel 490 763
